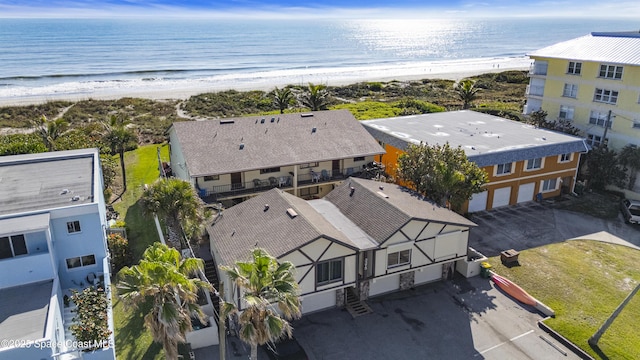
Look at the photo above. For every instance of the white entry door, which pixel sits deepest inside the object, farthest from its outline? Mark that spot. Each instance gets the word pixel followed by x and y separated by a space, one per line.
pixel 501 197
pixel 525 192
pixel 478 202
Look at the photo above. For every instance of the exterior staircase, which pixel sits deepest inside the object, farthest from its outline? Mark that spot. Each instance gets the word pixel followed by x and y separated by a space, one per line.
pixel 210 271
pixel 67 320
pixel 355 306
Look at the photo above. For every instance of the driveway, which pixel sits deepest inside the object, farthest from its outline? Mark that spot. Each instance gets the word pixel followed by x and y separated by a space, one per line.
pixel 462 319
pixel 533 224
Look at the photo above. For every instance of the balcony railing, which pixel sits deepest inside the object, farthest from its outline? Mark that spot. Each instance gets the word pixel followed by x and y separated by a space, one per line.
pixel 535 90
pixel 538 68
pixel 221 192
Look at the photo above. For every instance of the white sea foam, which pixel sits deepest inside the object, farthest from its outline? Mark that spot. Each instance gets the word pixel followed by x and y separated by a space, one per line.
pixel 157 87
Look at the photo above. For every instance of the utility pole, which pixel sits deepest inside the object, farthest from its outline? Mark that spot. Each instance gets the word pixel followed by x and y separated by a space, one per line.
pixel 606 128
pixel 222 328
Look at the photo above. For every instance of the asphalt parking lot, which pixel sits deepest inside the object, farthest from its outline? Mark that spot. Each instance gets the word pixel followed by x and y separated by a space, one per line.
pixel 533 224
pixel 459 319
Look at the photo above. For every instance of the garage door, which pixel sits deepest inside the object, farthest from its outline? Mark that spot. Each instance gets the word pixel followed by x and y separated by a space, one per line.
pixel 478 202
pixel 501 197
pixel 525 192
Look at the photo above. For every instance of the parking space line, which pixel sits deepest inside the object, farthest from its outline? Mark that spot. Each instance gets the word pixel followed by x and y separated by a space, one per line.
pixel 504 342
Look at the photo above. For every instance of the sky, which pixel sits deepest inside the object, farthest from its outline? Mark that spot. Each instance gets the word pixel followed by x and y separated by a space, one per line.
pixel 320 8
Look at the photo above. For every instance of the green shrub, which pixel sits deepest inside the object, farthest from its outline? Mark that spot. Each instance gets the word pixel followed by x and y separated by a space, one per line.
pixel 119 249
pixel 90 324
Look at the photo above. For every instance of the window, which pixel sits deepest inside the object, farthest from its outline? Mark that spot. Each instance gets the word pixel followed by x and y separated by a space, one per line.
pixel 358 158
pixel 309 191
pixel 328 272
pixel 270 170
pixel 308 165
pixel 599 119
pixel 611 72
pixel 570 90
pixel 11 246
pixel 565 157
pixel 399 258
pixel 574 68
pixel 566 112
pixel 594 140
pixel 605 96
pixel 549 185
pixel 80 261
pixel 503 169
pixel 533 164
pixel 212 178
pixel 73 226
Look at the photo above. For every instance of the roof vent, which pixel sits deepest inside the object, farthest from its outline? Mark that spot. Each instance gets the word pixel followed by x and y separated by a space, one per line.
pixel 313 129
pixel 352 190
pixel 64 191
pixel 75 198
pixel 273 119
pixel 292 213
pixel 222 122
pixel 266 207
pixel 383 194
pixel 381 187
pixel 262 121
pixel 306 115
pixel 241 146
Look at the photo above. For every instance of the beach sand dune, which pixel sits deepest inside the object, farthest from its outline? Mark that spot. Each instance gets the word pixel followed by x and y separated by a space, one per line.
pixel 183 89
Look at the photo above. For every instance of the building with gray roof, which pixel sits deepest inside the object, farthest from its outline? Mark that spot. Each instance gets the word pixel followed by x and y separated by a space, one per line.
pixel 52 240
pixel 364 237
pixel 512 153
pixel 304 153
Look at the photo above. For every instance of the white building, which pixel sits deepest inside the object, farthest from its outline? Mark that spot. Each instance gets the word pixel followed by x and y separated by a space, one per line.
pixel 52 240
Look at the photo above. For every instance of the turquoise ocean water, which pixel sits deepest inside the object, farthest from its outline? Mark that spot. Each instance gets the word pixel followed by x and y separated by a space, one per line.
pixel 48 57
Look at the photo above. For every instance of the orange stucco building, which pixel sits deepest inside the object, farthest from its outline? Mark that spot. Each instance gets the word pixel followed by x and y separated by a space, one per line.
pixel 522 162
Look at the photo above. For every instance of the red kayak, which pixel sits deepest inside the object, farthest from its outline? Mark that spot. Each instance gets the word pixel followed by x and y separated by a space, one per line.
pixel 514 290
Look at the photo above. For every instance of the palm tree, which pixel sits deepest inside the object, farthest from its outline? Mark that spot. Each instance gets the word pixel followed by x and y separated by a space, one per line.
pixel 264 283
pixel 163 283
pixel 282 98
pixel 629 156
pixel 50 130
pixel 177 202
pixel 467 92
pixel 119 138
pixel 316 97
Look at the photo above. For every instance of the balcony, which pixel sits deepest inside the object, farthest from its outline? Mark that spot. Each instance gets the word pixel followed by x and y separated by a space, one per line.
pixel 535 90
pixel 539 68
pixel 223 192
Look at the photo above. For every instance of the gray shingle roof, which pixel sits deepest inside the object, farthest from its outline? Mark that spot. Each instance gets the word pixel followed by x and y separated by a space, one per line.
pixel 608 47
pixel 212 147
pixel 247 224
pixel 382 216
pixel 486 139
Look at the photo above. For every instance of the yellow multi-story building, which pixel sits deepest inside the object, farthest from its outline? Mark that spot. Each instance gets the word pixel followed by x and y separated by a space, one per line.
pixel 592 81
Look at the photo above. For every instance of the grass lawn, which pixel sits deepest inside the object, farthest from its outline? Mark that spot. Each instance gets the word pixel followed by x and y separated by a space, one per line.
pixel 584 282
pixel 133 340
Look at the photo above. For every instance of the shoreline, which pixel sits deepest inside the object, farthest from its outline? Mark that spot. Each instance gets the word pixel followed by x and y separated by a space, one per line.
pixel 182 90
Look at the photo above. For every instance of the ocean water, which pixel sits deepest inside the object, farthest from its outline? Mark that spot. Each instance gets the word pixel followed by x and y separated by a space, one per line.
pixel 58 58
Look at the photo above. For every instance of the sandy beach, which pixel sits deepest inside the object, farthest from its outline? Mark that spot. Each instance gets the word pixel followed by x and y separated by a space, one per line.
pixel 183 89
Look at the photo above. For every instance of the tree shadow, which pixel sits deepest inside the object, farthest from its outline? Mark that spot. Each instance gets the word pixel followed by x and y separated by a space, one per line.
pixel 128 335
